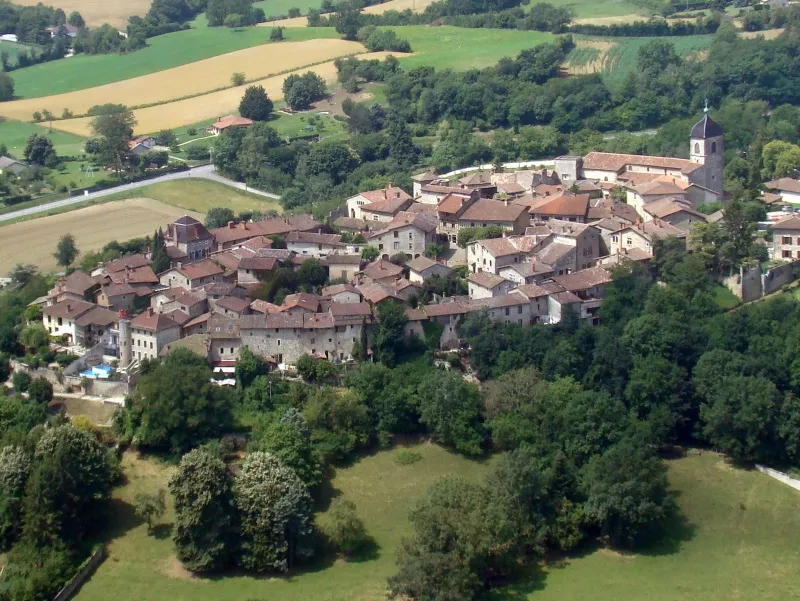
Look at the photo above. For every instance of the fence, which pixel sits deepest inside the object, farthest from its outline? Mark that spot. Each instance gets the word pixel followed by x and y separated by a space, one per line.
pixel 87 569
pixel 780 476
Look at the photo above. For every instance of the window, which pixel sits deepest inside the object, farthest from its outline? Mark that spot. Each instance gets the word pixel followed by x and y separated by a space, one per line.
pixel 397 246
pixel 519 310
pixel 629 241
pixel 410 235
pixel 787 254
pixel 787 240
pixel 313 340
pixel 279 341
pixel 374 218
pixel 397 234
pixel 507 311
pixel 615 238
pixel 696 148
pixel 713 147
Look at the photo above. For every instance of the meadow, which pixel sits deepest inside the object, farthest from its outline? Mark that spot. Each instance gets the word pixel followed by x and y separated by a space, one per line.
pixel 97 12
pixel 616 57
pixel 447 47
pixel 162 52
pixel 594 11
pixel 13 49
pixel 191 79
pixel 736 540
pixel 280 8
pixel 14 134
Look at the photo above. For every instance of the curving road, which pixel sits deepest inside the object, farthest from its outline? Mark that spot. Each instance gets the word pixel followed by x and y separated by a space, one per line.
pixel 203 172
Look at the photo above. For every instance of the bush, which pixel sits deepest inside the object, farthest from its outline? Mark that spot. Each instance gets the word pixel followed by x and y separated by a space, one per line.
pixel 238 79
pixel 40 390
pixel 21 380
pixel 406 457
pixel 191 131
pixel 197 152
pixel 346 531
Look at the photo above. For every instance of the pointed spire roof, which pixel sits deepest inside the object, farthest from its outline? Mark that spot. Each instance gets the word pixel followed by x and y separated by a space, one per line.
pixel 706 128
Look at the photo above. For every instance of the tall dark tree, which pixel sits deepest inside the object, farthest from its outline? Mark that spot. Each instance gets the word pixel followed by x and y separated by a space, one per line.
pixel 159 257
pixel 255 104
pixel 389 336
pixel 113 128
pixel 39 150
pixel 66 251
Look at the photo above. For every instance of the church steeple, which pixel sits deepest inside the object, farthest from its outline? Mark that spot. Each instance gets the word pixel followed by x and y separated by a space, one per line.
pixel 707 146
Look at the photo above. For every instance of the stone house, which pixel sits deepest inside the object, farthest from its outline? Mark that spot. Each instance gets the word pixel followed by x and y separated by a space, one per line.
pixel 59 318
pixel 642 236
pixel 407 233
pixel 378 205
pixel 313 244
pixel 341 293
pixel 786 239
pixel 192 276
pixel 486 285
pixel 491 254
pixel 422 268
pixel 151 332
pixel 343 266
pixel 674 211
pixel 190 237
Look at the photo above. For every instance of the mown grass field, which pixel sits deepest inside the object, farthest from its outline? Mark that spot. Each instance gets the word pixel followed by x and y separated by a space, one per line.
pixel 97 12
pixel 586 9
pixel 460 49
pixel 14 134
pixel 616 57
pixel 278 8
pixel 163 52
pixel 738 541
pixel 144 567
pixel 14 49
pixel 194 78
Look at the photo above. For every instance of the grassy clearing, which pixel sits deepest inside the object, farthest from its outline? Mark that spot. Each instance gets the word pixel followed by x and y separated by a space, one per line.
pixel 737 542
pixel 459 49
pixel 278 8
pixel 724 298
pixel 200 77
pixel 14 49
pixel 619 56
pixel 99 413
pixel 144 568
pixel 97 12
pixel 14 134
pixel 163 52
pixel 586 9
pixel 34 241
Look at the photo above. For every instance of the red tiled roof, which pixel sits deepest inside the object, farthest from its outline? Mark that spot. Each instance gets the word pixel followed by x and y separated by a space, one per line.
pixel 498 247
pixel 583 279
pixel 200 269
pixel 389 193
pixel 484 210
pixel 231 121
pixel 565 204
pixel 607 161
pixel 68 309
pixel 380 269
pixel 487 280
pixel 233 303
pixel 423 221
pixel 263 306
pixel 152 321
pixel 792 222
pixel 315 238
pixel 787 184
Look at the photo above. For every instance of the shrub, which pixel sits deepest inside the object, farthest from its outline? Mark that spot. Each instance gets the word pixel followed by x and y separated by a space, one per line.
pixel 21 380
pixel 406 457
pixel 40 390
pixel 197 152
pixel 346 531
pixel 238 79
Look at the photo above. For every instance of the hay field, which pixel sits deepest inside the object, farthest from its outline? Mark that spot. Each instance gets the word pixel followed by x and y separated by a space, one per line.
pixel 621 19
pixel 208 106
pixel 588 56
pixel 97 12
pixel 194 78
pixel 768 34
pixel 34 241
pixel 377 9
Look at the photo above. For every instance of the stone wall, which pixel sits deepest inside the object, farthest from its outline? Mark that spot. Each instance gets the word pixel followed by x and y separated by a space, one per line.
pixel 751 284
pixel 779 276
pixel 87 569
pixel 780 476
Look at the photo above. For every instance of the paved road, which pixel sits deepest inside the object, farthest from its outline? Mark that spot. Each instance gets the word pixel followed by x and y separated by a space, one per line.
pixel 204 172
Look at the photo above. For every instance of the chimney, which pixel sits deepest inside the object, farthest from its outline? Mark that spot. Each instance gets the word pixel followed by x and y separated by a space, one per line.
pixel 230 225
pixel 149 311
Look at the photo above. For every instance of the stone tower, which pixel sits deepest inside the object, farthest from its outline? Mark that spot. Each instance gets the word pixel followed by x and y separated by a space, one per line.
pixel 125 350
pixel 707 147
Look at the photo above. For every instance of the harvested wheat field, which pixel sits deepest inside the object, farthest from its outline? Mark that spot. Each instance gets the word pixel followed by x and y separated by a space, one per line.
pixel 97 12
pixel 195 78
pixel 34 241
pixel 376 9
pixel 588 56
pixel 768 34
pixel 208 106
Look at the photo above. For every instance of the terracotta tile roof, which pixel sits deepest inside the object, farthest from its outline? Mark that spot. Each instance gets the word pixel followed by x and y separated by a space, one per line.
pixel 204 268
pixel 487 280
pixel 329 291
pixel 566 228
pixel 485 210
pixel 422 264
pixel 664 207
pixel 263 306
pixel 137 275
pixel 68 309
pixel 241 231
pixel 607 161
pixel 510 188
pixel 539 290
pixel 769 198
pixel 451 204
pixel 634 178
pixel 792 222
pixel 76 283
pixel 197 321
pixel 178 316
pixel 341 259
pixel 187 229
pixel 388 194
pixel 304 300
pixel 481 178
pixel 231 121
pixel 607 207
pixel 380 269
pixel 424 178
pixel 222 327
pixel 256 243
pixel 548 189
pixel 654 229
pixel 314 238
pixel 449 307
pixel 498 247
pixel 131 261
pixel 423 221
pixel 351 310
pixel 611 224
pixel 586 185
pixel 376 292
pixel 527 270
pixel 258 263
pixel 228 260
pixel 565 204
pixel 583 279
pixel 786 184
pixel 117 289
pixel 152 322
pixel 566 298
pixel 233 303
pixel 402 283
pixel 351 223
pixel 512 299
pixel 657 188
pixel 415 315
pixel 175 253
pixel 439 189
pixel 625 254
pixel 421 207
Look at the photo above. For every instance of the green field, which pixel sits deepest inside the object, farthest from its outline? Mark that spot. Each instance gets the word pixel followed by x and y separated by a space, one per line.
pixel 200 195
pixel 585 9
pixel 14 49
pixel 162 52
pixel 622 57
pixel 144 568
pixel 724 298
pixel 14 134
pixel 460 49
pixel 279 8
pixel 737 541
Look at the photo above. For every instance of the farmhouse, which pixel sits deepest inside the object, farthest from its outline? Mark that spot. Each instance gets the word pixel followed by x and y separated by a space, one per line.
pixel 223 123
pixel 484 285
pixel 151 332
pixel 13 165
pixel 566 206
